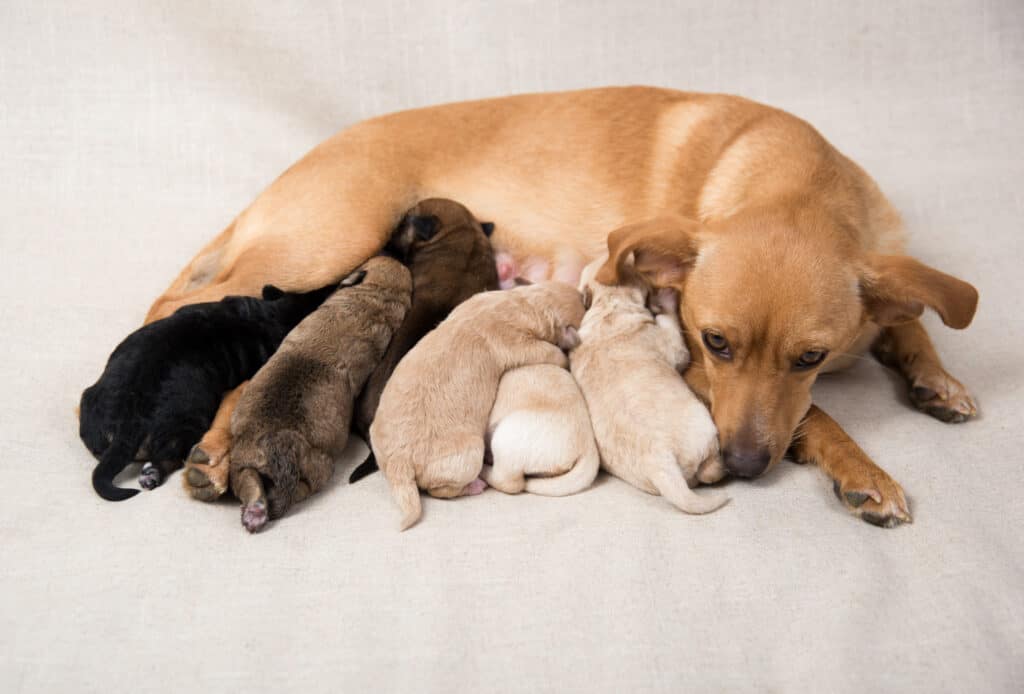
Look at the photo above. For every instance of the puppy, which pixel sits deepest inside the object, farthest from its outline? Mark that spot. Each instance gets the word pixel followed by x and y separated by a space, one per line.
pixel 433 414
pixel 162 385
pixel 539 425
pixel 651 430
pixel 450 257
pixel 294 417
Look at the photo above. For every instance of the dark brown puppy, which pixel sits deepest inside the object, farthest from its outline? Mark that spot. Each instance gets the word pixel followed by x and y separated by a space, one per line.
pixel 295 415
pixel 451 259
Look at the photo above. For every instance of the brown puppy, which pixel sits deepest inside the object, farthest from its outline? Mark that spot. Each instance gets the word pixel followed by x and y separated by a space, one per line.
pixel 433 413
pixel 450 258
pixel 801 234
pixel 294 417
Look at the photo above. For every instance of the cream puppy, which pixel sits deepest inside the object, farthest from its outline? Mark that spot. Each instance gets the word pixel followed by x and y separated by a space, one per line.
pixel 540 426
pixel 651 430
pixel 433 414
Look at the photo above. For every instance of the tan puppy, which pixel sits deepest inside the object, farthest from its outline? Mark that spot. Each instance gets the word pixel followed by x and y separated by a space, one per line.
pixel 651 430
pixel 785 232
pixel 293 419
pixel 539 425
pixel 432 417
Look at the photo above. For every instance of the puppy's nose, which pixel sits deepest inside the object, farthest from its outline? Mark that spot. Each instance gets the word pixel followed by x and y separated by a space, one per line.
pixel 746 462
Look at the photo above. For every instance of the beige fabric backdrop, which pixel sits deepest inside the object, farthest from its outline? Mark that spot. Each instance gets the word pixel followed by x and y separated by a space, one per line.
pixel 130 133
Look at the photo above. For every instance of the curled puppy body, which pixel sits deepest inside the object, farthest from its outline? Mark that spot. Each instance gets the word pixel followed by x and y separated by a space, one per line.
pixel 293 418
pixel 539 425
pixel 450 257
pixel 433 414
pixel 628 366
pixel 162 385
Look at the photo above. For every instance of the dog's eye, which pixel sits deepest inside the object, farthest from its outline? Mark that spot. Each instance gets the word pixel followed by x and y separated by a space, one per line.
pixel 717 344
pixel 810 359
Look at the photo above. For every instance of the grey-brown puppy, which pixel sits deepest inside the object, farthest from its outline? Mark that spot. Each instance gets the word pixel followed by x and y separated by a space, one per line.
pixel 295 415
pixel 450 257
pixel 433 413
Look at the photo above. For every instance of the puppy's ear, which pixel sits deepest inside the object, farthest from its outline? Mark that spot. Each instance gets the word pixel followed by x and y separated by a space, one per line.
pixel 488 228
pixel 353 279
pixel 425 227
pixel 896 288
pixel 661 250
pixel 271 293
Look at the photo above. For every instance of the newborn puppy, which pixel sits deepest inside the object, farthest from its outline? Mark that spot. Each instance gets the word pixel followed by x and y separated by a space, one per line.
pixel 162 385
pixel 451 259
pixel 293 418
pixel 651 430
pixel 539 425
pixel 433 413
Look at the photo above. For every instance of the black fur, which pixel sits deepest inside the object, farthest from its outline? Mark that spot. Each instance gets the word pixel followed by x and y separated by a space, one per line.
pixel 163 384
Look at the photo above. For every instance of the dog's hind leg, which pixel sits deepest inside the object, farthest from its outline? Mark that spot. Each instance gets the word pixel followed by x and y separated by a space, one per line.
pixel 908 349
pixel 207 468
pixel 248 487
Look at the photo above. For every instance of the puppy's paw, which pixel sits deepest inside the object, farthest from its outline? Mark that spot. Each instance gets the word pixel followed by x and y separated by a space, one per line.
pixel 475 487
pixel 255 516
pixel 943 397
pixel 150 476
pixel 873 496
pixel 206 472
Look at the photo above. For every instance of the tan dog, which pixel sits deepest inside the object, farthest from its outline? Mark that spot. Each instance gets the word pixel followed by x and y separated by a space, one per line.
pixel 539 425
pixel 293 419
pixel 651 430
pixel 433 413
pixel 786 234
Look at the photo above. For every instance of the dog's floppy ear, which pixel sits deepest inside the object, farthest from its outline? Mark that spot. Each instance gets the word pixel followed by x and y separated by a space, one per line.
pixel 271 293
pixel 896 288
pixel 488 228
pixel 662 249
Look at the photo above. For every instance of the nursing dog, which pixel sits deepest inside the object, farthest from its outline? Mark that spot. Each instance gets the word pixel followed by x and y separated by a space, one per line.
pixel 162 385
pixel 798 253
pixel 433 414
pixel 651 430
pixel 294 417
pixel 539 437
pixel 450 258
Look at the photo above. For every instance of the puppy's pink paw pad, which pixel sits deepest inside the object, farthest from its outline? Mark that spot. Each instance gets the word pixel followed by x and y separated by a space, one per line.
pixel 254 516
pixel 475 487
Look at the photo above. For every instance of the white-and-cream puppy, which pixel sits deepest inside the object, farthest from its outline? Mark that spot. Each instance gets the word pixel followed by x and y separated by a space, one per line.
pixel 539 425
pixel 651 430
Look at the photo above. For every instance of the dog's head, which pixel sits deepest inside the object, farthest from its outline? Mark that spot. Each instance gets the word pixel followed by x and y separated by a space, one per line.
pixel 766 306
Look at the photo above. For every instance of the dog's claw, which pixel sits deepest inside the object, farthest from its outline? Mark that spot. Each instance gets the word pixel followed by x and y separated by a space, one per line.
pixel 943 397
pixel 874 497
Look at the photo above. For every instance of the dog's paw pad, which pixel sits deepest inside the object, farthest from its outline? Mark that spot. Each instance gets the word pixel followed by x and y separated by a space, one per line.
pixel 206 475
pixel 150 476
pixel 475 487
pixel 255 516
pixel 943 397
pixel 877 499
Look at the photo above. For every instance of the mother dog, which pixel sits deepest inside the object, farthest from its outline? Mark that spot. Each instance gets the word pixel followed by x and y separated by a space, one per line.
pixel 788 256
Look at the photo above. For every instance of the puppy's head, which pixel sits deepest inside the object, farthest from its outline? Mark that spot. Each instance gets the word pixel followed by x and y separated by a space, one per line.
pixel 431 220
pixel 765 306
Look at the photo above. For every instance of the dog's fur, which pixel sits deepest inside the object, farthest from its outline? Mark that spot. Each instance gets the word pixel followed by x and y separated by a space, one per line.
pixel 785 232
pixel 450 258
pixel 628 366
pixel 432 417
pixel 162 385
pixel 539 437
pixel 295 415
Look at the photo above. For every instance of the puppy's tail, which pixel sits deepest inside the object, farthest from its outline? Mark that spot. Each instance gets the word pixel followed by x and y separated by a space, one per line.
pixel 578 478
pixel 114 460
pixel 671 484
pixel 402 478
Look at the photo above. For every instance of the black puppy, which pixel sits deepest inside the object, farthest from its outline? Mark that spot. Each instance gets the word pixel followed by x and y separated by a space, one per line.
pixel 162 385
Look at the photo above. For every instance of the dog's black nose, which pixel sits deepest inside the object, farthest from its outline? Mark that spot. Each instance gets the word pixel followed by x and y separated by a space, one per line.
pixel 744 462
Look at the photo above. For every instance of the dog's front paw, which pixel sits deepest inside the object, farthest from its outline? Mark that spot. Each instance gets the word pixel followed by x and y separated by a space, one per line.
pixel 943 397
pixel 206 472
pixel 873 496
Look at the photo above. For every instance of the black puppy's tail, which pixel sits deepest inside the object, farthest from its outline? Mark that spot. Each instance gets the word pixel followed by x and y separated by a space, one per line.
pixel 114 459
pixel 367 467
